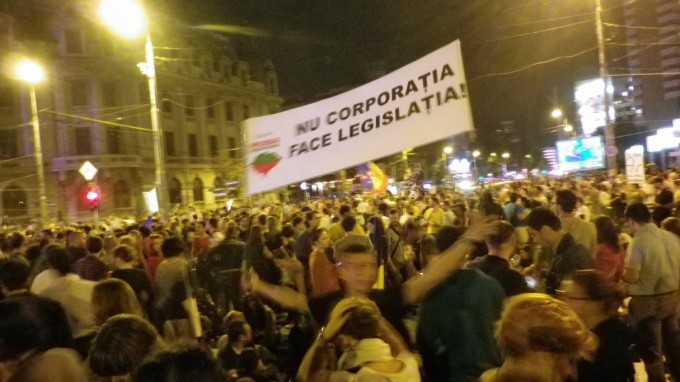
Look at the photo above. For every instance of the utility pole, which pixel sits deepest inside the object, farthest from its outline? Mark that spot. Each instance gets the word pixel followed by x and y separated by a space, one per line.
pixel 610 144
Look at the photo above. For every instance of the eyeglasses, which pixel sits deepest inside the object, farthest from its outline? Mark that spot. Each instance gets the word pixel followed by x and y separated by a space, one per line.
pixel 357 266
pixel 562 295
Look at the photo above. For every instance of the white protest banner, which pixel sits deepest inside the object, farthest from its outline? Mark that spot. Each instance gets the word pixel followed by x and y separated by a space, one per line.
pixel 422 102
pixel 635 164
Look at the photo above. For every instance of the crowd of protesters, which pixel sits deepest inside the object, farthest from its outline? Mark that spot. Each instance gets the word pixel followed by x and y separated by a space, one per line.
pixel 534 280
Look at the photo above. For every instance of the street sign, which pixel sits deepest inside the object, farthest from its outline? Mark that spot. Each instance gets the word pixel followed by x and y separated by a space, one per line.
pixel 88 171
pixel 611 150
pixel 635 164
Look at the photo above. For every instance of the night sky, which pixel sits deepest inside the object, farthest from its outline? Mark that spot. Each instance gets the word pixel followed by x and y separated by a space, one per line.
pixel 322 45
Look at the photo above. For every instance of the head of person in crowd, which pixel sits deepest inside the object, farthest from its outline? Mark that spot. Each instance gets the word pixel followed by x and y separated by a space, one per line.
pixel 298 223
pixel 33 252
pixel 125 256
pixel 375 227
pixel 566 202
pixel 240 334
pixel 344 210
pixel 447 236
pixel 657 182
pixel 94 245
pixel 607 233
pixel 357 263
pixel 212 226
pixel 394 216
pixel 121 345
pixel 178 365
pixel 250 363
pixel 30 326
pixel 413 230
pixel 272 224
pixel 173 247
pixel 288 236
pixel 637 215
pixel 18 242
pixel 320 239
pixel 545 227
pixel 244 223
pixel 541 339
pixel 111 297
pixel 76 239
pixel 348 223
pixel 256 237
pixel 591 296
pixel 671 224
pixel 503 243
pixel 14 278
pixel 233 231
pixel 312 220
pixel 155 243
pixel 58 258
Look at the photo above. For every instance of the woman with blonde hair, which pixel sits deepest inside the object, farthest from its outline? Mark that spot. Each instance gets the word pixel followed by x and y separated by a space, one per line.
pixel 111 297
pixel 542 339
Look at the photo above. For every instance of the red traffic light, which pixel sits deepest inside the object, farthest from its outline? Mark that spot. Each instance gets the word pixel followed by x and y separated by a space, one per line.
pixel 92 196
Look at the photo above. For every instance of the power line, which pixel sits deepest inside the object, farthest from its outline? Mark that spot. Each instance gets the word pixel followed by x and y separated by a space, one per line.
pixel 534 64
pixel 534 32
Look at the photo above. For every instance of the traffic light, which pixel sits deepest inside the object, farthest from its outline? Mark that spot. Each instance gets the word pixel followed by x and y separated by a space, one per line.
pixel 92 197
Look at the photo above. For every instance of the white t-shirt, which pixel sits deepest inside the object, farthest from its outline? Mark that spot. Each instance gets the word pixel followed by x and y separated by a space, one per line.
pixel 408 373
pixel 43 280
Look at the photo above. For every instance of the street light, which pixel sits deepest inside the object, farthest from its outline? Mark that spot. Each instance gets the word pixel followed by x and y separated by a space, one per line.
pixel 506 155
pixel 126 18
pixel 568 128
pixel 476 154
pixel 32 74
pixel 448 150
pixel 556 113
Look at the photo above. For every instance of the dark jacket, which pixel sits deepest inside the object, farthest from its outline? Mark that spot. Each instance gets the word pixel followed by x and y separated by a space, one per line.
pixel 513 282
pixel 569 257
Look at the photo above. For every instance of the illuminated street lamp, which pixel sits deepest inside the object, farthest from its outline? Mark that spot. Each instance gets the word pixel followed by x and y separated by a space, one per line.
pixel 505 155
pixel 492 154
pixel 568 128
pixel 556 113
pixel 126 18
pixel 476 154
pixel 32 74
pixel 448 150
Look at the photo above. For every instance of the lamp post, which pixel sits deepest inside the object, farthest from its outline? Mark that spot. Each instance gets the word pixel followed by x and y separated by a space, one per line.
pixel 32 74
pixel 127 19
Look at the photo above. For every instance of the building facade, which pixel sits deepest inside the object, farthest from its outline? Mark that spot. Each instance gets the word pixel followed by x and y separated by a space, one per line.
pixel 653 37
pixel 95 107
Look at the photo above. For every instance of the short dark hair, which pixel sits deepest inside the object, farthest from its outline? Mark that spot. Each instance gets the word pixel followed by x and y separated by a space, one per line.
pixel 14 275
pixel 363 323
pixel 297 220
pixel 638 213
pixel 504 232
pixel 348 223
pixel 172 247
pixel 539 217
pixel 124 252
pixel 236 329
pixel 94 244
pixel 448 235
pixel 344 209
pixel 316 235
pixel 121 345
pixel 16 240
pixel 567 200
pixel 58 257
pixel 287 231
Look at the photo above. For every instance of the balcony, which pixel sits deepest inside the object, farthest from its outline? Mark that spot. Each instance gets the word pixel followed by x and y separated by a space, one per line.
pixel 71 163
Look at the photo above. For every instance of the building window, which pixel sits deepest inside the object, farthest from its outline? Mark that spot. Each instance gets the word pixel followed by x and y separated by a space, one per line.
pixel 189 106
pixel 74 41
pixel 210 108
pixel 114 137
pixel 193 145
pixel 79 96
pixel 214 149
pixel 121 195
pixel 83 141
pixel 170 144
pixel 246 111
pixel 232 148
pixel 198 190
pixel 109 92
pixel 166 105
pixel 175 191
pixel 8 144
pixel 229 111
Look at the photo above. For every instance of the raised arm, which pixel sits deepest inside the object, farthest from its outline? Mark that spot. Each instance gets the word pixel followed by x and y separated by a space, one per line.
pixel 285 297
pixel 450 260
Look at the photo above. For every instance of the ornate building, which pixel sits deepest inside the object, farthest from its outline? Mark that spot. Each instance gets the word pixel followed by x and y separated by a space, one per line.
pixel 95 107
